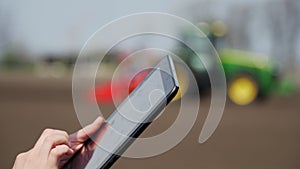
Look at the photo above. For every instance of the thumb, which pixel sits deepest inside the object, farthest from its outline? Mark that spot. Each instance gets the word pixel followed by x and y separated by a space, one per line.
pixel 83 134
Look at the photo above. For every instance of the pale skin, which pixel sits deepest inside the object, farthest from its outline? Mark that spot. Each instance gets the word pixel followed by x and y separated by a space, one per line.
pixel 55 148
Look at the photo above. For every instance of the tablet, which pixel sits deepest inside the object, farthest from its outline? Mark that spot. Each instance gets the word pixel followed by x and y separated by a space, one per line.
pixel 135 113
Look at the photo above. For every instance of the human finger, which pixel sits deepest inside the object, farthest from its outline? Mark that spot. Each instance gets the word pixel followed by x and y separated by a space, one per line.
pixel 83 134
pixel 51 142
pixel 56 154
pixel 98 136
pixel 47 132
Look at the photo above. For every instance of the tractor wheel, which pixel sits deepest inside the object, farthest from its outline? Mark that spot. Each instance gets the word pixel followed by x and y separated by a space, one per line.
pixel 243 89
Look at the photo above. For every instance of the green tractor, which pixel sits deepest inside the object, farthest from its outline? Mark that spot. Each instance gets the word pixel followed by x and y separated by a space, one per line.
pixel 247 78
pixel 249 75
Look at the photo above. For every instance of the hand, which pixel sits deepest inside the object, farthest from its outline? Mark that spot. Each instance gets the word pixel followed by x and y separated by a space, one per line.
pixel 78 144
pixel 55 148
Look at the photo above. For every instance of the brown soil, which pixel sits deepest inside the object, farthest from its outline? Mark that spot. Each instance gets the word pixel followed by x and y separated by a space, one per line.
pixel 263 135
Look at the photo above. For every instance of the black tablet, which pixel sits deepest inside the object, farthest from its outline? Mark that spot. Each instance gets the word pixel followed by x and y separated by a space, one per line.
pixel 135 113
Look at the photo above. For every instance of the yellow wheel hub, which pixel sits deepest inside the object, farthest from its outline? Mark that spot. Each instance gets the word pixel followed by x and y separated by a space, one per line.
pixel 183 80
pixel 242 90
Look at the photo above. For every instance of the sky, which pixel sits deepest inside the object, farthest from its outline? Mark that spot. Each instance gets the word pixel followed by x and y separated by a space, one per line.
pixel 55 26
pixel 59 26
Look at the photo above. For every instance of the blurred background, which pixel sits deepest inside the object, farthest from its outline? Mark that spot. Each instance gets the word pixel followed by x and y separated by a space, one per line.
pixel 258 44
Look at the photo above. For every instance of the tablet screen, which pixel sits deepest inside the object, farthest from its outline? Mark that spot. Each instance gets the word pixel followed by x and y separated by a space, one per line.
pixel 138 109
